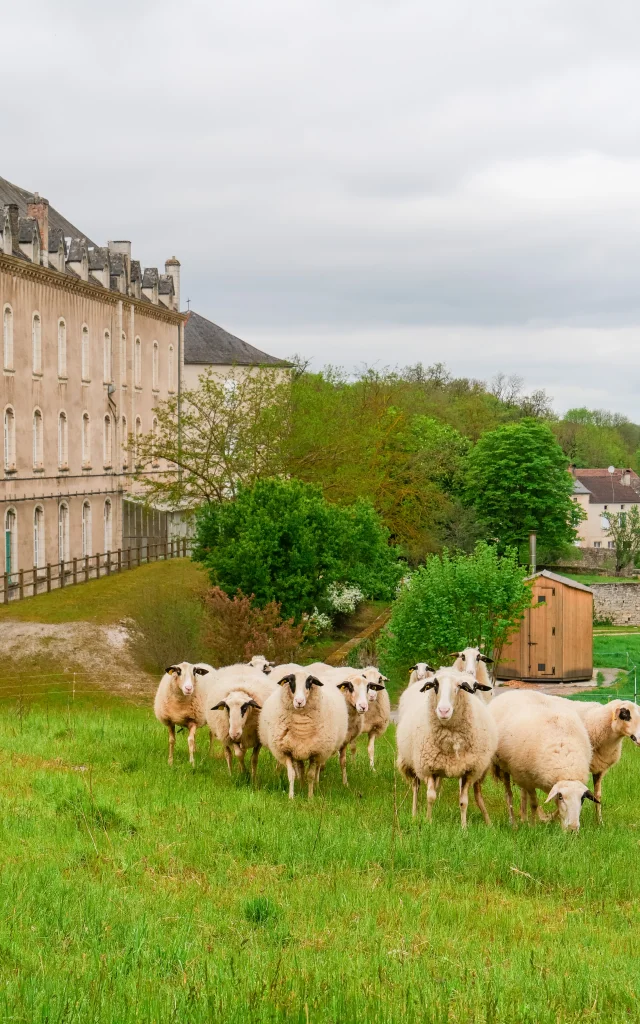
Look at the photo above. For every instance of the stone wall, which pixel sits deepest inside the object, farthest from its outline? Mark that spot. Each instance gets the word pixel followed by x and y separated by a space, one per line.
pixel 619 602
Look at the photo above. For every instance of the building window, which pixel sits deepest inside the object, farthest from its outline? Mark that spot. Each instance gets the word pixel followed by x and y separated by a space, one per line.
pixel 63 532
pixel 7 337
pixel 38 537
pixel 38 440
pixel 108 526
pixel 63 441
pixel 137 364
pixel 154 437
pixel 62 348
pixel 9 439
pixel 86 354
pixel 597 544
pixel 86 439
pixel 621 507
pixel 11 541
pixel 170 369
pixel 156 366
pixel 611 544
pixel 87 547
pixel 107 441
pixel 108 364
pixel 136 440
pixel 123 359
pixel 36 343
pixel 125 443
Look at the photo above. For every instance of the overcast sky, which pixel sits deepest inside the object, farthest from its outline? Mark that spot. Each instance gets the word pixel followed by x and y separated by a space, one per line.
pixel 357 180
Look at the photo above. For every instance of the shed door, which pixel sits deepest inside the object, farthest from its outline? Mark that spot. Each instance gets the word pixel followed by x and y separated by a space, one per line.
pixel 543 627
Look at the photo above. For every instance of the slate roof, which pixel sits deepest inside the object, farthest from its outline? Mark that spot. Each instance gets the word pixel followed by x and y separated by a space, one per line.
pixel 607 489
pixel 206 343
pixel 12 194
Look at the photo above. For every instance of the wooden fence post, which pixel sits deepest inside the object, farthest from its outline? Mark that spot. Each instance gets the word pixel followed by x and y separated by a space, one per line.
pixel 108 563
pixel 48 577
pixel 5 596
pixel 61 572
pixel 21 583
pixel 86 568
pixel 119 560
pixel 35 580
pixel 75 570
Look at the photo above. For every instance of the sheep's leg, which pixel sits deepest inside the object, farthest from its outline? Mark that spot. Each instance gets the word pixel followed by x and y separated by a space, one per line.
pixel 523 806
pixel 533 806
pixel 314 771
pixel 415 785
pixel 432 795
pixel 343 764
pixel 371 747
pixel 292 771
pixel 464 799
pixel 211 737
pixel 254 762
pixel 228 758
pixel 438 782
pixel 191 740
pixel 597 792
pixel 508 795
pixel 172 740
pixel 299 770
pixel 240 754
pixel 477 792
pixel 354 749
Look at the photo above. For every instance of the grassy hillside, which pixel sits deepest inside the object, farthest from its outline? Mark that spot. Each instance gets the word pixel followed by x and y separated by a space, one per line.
pixel 132 892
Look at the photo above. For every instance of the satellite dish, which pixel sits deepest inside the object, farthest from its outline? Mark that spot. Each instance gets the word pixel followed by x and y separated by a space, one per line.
pixel 612 470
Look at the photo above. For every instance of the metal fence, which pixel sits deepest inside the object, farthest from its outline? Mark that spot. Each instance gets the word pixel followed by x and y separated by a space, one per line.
pixel 43 579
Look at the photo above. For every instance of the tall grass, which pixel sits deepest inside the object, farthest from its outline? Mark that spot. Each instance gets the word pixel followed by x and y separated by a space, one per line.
pixel 132 892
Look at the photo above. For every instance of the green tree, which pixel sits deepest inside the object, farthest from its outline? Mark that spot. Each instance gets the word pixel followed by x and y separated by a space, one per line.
pixel 518 483
pixel 624 530
pixel 455 601
pixel 281 540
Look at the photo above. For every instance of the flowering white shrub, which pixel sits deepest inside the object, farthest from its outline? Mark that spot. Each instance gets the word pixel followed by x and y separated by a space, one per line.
pixel 343 598
pixel 316 624
pixel 403 583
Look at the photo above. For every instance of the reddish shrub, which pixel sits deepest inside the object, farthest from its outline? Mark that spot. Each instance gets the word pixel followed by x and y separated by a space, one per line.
pixel 237 629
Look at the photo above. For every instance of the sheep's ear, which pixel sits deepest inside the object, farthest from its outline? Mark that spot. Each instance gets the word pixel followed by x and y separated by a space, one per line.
pixel 347 685
pixel 624 714
pixel 481 686
pixel 286 679
pixel 429 668
pixel 430 684
pixel 312 681
pixel 588 795
pixel 250 704
pixel 469 689
pixel 266 668
pixel 201 671
pixel 221 706
pixel 414 668
pixel 455 654
pixel 383 679
pixel 173 668
pixel 487 661
pixel 555 791
pixel 376 686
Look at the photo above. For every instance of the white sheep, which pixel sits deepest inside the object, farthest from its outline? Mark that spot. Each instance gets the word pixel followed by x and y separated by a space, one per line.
pixel 420 671
pixel 472 660
pixel 233 717
pixel 354 687
pixel 377 718
pixel 261 663
pixel 606 724
pixel 446 733
pixel 305 720
pixel 181 700
pixel 545 747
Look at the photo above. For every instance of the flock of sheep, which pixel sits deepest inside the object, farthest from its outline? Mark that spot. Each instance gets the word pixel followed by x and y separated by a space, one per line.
pixel 450 725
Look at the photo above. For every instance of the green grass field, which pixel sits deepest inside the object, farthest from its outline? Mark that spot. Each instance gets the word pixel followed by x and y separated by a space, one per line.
pixel 612 651
pixel 135 892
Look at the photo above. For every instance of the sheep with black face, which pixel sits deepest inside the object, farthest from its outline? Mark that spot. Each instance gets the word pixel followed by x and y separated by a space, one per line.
pixel 377 718
pixel 234 714
pixel 303 721
pixel 446 732
pixel 181 700
pixel 472 660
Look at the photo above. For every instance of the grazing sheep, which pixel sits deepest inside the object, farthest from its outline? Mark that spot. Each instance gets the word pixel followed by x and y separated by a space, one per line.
pixel 181 699
pixel 606 724
pixel 233 714
pixel 446 734
pixel 377 718
pixel 304 720
pixel 546 747
pixel 472 660
pixel 260 662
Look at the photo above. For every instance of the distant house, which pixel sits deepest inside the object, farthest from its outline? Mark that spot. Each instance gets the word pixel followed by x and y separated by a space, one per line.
pixel 598 492
pixel 207 346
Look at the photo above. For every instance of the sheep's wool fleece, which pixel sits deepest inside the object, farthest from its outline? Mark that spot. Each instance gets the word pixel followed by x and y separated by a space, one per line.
pixel 171 706
pixel 376 719
pixel 462 746
pixel 259 689
pixel 539 746
pixel 316 731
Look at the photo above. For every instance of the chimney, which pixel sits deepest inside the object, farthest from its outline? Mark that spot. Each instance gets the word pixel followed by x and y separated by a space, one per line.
pixel 626 478
pixel 38 208
pixel 172 267
pixel 11 236
pixel 124 248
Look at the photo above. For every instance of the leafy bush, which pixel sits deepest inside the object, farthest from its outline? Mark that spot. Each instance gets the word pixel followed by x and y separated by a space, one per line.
pixel 280 540
pixel 237 629
pixel 455 601
pixel 167 629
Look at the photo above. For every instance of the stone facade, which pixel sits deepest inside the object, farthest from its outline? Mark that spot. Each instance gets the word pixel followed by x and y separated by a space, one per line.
pixel 619 602
pixel 90 344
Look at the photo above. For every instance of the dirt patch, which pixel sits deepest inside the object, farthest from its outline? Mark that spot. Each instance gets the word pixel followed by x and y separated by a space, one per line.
pixel 98 655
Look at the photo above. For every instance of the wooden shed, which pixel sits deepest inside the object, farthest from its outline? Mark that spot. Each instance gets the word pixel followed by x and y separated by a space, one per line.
pixel 555 639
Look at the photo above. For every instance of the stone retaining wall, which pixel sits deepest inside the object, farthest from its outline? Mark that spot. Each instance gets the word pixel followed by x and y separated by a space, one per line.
pixel 619 602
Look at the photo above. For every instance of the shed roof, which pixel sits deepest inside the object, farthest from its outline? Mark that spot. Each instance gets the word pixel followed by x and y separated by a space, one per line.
pixel 206 343
pixel 564 580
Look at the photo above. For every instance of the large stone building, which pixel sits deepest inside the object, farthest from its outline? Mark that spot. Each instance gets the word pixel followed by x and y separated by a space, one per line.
pixel 91 342
pixel 207 346
pixel 599 492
